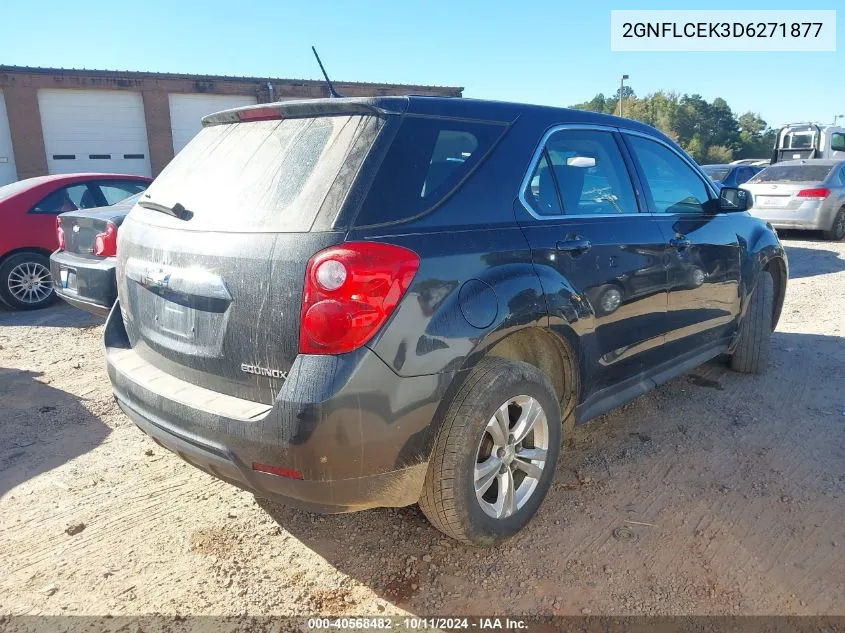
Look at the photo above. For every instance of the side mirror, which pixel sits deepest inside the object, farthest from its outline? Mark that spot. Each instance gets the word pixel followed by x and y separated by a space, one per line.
pixel 734 199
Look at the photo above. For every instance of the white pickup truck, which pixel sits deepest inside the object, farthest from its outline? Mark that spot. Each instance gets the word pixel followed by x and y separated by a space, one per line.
pixel 797 141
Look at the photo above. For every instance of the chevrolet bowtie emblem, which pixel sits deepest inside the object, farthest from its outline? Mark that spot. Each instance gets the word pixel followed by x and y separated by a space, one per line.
pixel 158 278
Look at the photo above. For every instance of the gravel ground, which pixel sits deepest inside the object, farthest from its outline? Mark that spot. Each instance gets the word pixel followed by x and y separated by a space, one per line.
pixel 718 493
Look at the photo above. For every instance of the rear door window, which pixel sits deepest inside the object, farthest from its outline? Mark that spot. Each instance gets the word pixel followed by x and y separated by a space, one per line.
pixel 262 176
pixel 427 160
pixel 585 170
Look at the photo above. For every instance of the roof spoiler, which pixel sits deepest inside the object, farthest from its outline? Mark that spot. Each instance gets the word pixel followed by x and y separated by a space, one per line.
pixel 310 108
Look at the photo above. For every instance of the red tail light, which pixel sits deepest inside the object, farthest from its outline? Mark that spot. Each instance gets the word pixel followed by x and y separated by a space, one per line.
pixel 260 114
pixel 819 194
pixel 60 233
pixel 350 291
pixel 105 244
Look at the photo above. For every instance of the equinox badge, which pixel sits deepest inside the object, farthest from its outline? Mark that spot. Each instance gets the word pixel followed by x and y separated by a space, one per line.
pixel 264 371
pixel 156 278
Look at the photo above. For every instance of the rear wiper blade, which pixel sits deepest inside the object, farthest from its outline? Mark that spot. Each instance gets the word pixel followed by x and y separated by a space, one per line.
pixel 178 211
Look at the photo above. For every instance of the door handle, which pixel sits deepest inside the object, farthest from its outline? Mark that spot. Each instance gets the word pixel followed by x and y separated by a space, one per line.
pixel 680 242
pixel 574 245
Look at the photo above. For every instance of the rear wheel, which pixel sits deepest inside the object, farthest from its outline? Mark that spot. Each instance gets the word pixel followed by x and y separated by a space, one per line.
pixel 837 229
pixel 495 455
pixel 25 281
pixel 752 353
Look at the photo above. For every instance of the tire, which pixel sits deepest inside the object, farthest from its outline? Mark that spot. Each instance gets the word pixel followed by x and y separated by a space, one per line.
pixel 464 442
pixel 837 229
pixel 752 352
pixel 25 281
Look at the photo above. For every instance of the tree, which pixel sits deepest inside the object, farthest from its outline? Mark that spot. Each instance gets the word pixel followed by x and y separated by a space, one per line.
pixel 718 154
pixel 708 130
pixel 756 138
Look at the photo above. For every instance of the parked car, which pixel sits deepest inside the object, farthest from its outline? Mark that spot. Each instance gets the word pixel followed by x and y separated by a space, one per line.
pixel 802 194
pixel 83 266
pixel 797 141
pixel 730 175
pixel 348 303
pixel 28 210
pixel 751 161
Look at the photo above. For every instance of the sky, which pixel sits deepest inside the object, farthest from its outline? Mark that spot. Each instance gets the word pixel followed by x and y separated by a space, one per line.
pixel 552 52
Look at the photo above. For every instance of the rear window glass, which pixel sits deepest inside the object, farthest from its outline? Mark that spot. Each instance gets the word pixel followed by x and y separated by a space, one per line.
pixel 717 173
pixel 427 159
pixel 792 173
pixel 261 176
pixel 799 140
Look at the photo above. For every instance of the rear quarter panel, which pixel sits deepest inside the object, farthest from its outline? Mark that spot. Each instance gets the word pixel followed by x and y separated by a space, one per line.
pixel 24 230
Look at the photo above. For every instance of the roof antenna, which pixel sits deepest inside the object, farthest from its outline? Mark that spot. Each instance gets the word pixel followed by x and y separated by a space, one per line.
pixel 332 92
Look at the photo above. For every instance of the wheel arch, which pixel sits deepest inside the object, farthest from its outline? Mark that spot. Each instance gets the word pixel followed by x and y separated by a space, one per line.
pixel 25 249
pixel 776 267
pixel 553 353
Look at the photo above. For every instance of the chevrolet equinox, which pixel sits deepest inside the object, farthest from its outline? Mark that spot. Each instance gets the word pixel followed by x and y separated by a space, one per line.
pixel 342 304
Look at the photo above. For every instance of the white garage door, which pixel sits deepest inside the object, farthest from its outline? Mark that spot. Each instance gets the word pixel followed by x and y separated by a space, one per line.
pixel 94 130
pixel 187 111
pixel 8 173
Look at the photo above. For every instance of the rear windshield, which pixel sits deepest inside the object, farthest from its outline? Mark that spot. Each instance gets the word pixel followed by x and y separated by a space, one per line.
pixel 427 160
pixel 717 173
pixel 792 173
pixel 271 176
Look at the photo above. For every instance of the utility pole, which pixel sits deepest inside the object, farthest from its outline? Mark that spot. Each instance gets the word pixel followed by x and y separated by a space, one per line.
pixel 621 96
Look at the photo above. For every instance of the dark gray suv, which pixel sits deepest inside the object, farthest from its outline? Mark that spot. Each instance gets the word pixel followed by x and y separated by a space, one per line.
pixel 349 303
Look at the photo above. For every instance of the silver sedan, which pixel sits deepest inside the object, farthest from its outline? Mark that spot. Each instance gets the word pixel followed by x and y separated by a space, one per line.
pixel 802 194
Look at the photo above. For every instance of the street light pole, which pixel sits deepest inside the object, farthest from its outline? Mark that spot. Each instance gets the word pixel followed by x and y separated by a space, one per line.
pixel 838 116
pixel 621 95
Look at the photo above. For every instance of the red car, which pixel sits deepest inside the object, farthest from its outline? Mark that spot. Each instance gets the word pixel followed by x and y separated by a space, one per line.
pixel 28 211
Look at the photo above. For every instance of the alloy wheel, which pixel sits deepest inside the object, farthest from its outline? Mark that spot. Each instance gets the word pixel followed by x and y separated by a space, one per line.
pixel 511 456
pixel 30 282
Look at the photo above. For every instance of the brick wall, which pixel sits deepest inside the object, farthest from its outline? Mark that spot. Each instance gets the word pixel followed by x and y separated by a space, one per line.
pixel 21 85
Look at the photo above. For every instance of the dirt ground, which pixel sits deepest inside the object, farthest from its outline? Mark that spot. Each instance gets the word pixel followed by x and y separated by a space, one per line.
pixel 718 493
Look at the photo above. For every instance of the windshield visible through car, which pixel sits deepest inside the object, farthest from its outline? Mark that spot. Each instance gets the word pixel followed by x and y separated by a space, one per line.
pixel 792 173
pixel 719 174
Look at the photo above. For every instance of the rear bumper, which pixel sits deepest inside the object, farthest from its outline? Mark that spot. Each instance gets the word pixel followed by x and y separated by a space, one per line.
pixel 96 287
pixel 811 216
pixel 359 435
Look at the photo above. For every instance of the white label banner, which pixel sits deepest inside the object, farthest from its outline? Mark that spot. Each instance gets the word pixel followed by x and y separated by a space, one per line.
pixel 723 30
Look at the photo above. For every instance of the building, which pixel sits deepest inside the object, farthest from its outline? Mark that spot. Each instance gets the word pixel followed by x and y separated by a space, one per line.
pixel 60 121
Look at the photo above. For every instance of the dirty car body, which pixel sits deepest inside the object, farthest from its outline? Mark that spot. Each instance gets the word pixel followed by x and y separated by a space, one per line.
pixel 210 350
